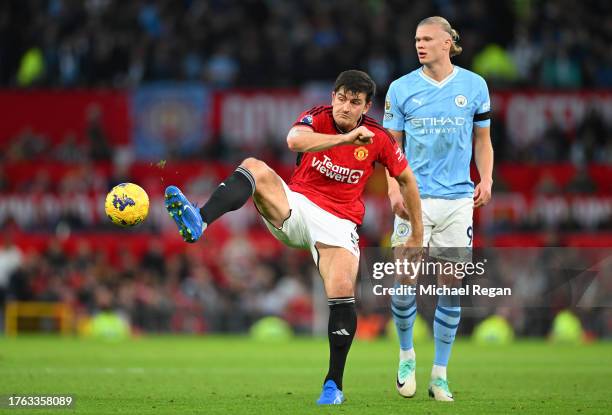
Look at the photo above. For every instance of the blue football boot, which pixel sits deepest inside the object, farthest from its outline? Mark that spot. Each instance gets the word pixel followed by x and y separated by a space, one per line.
pixel 185 214
pixel 330 395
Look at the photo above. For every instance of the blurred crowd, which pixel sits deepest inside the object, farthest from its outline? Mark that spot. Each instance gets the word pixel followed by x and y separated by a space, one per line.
pixel 190 292
pixel 180 292
pixel 549 43
pixel 589 142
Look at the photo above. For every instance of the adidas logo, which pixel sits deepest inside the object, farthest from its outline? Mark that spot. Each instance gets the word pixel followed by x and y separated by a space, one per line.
pixel 342 332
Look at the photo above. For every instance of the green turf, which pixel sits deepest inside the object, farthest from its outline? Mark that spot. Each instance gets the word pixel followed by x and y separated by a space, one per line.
pixel 235 375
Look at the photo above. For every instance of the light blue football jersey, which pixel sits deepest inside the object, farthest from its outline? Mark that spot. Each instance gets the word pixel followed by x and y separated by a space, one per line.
pixel 438 119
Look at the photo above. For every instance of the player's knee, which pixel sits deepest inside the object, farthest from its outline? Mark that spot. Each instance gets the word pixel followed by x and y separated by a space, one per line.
pixel 340 286
pixel 253 164
pixel 258 168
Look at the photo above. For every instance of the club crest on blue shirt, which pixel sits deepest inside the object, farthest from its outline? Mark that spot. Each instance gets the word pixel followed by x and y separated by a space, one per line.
pixel 460 101
pixel 402 230
pixel 307 119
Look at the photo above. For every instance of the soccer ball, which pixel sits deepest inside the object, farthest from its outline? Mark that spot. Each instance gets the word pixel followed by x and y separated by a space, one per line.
pixel 127 204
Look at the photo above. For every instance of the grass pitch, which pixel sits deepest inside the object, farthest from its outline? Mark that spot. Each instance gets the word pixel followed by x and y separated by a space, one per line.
pixel 233 375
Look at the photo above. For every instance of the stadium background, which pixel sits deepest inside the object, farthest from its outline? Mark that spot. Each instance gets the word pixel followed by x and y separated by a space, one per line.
pixel 99 92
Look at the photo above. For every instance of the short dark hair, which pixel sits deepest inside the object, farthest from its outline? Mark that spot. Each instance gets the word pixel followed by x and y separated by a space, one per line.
pixel 356 81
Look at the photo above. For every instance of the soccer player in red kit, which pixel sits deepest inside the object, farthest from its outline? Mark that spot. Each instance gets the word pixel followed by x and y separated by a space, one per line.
pixel 320 208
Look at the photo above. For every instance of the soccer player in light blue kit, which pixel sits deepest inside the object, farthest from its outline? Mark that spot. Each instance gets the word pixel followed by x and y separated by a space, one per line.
pixel 437 111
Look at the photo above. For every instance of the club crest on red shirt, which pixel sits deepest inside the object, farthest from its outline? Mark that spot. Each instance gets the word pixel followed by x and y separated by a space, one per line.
pixel 361 153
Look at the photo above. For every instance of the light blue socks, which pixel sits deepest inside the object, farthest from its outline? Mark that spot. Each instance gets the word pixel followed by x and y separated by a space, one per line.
pixel 445 323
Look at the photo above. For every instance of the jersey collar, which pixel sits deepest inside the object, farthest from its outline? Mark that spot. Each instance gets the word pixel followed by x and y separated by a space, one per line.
pixel 442 82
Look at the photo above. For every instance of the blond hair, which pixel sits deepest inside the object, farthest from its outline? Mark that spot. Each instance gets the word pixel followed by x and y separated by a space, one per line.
pixel 445 25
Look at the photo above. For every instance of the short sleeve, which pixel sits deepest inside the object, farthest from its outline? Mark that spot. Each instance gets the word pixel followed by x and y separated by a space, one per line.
pixel 393 118
pixel 391 156
pixel 482 117
pixel 309 118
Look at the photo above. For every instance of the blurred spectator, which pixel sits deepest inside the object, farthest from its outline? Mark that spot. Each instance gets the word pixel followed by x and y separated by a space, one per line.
pixel 31 67
pixel 27 146
pixel 582 182
pixel 222 67
pixel 69 150
pixel 99 147
pixel 547 185
pixel 592 138
pixel 495 65
pixel 559 70
pixel 55 256
pixel 153 259
pixel 525 54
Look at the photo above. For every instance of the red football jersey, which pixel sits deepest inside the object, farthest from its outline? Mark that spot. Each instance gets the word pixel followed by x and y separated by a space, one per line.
pixel 334 179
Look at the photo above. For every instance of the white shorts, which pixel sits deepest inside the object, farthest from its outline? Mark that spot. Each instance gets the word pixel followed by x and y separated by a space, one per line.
pixel 446 224
pixel 308 224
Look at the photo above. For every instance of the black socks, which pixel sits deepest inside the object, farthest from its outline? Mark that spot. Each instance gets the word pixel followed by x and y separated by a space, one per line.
pixel 341 330
pixel 230 195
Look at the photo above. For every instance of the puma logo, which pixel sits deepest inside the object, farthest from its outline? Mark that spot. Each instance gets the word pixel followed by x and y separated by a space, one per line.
pixel 417 101
pixel 122 203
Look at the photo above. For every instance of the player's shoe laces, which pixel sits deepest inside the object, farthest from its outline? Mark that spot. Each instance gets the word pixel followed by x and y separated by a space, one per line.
pixel 185 214
pixel 406 379
pixel 438 389
pixel 330 395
